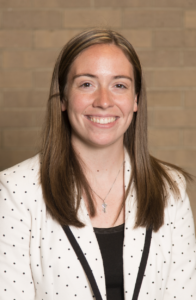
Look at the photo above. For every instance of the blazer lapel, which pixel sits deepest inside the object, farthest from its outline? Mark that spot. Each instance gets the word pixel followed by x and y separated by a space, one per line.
pixel 87 241
pixel 133 239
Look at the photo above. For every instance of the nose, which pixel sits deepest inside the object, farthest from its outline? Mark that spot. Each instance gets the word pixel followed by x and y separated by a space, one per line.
pixel 103 99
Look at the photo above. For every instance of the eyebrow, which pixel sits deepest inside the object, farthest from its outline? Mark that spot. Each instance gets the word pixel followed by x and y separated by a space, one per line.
pixel 94 76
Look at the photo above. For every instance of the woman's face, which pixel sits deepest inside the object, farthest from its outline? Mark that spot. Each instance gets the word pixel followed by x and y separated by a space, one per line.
pixel 100 96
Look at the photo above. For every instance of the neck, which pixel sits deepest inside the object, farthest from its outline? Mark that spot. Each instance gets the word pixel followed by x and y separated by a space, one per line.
pixel 102 161
pixel 103 168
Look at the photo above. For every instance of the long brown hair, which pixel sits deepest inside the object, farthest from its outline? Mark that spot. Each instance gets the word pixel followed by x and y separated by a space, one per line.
pixel 62 176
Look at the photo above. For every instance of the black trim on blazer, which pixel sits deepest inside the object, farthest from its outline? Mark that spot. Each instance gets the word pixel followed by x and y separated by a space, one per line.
pixel 83 262
pixel 88 270
pixel 143 264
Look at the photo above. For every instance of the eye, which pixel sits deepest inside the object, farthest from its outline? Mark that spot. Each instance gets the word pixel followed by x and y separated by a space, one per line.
pixel 86 84
pixel 121 86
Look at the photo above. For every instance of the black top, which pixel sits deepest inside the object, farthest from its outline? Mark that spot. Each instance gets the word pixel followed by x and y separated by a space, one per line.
pixel 119 291
pixel 111 245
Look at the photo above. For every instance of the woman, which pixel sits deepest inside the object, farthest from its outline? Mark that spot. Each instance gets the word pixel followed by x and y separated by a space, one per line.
pixel 95 216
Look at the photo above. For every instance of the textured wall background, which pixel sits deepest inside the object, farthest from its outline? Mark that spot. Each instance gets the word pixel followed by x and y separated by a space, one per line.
pixel 164 34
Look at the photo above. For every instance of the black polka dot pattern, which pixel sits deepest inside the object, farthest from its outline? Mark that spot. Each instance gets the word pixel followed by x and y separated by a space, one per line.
pixel 38 262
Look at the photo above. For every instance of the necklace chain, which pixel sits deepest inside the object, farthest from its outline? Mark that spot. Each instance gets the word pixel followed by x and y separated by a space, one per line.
pixel 104 205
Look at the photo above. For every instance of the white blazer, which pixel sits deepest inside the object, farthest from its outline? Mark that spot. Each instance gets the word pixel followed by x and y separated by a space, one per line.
pixel 38 262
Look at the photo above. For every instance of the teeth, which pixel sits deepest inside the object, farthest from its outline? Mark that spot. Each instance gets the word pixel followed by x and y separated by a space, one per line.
pixel 102 120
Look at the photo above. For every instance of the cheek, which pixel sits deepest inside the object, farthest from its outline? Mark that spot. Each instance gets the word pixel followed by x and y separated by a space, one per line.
pixel 130 106
pixel 75 107
pixel 78 103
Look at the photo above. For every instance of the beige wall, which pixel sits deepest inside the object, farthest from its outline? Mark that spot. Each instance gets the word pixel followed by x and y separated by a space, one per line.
pixel 164 34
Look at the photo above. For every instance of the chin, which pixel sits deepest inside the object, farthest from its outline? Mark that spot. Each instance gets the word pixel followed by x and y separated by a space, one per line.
pixel 103 143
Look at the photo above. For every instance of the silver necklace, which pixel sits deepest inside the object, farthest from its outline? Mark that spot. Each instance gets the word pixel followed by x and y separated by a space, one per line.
pixel 104 205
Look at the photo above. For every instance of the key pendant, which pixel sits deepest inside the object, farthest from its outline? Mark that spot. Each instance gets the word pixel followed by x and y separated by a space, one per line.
pixel 104 205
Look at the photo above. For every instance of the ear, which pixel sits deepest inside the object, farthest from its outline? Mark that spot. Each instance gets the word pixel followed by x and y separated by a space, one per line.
pixel 135 103
pixel 63 105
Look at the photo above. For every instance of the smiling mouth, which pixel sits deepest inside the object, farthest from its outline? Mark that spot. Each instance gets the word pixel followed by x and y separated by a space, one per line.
pixel 101 120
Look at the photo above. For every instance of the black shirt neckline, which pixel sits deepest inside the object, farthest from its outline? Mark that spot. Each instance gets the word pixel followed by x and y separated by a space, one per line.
pixel 109 230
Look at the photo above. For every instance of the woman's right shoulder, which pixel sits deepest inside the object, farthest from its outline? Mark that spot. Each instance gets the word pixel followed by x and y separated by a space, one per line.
pixel 27 169
pixel 21 184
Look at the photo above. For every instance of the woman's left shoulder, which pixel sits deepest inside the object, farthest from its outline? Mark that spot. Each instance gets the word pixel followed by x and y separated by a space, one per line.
pixel 178 179
pixel 178 209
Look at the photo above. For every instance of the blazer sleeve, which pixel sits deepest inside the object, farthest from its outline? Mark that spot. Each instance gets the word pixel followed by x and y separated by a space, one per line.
pixel 16 280
pixel 181 282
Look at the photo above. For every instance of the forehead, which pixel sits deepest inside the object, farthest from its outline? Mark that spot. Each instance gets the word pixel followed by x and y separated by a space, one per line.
pixel 104 58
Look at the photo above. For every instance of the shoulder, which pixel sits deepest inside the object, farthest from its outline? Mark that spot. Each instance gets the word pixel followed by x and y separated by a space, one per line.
pixel 26 169
pixel 20 186
pixel 178 205
pixel 178 180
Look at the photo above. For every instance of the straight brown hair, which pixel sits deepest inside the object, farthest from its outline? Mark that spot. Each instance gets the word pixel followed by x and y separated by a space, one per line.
pixel 62 176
